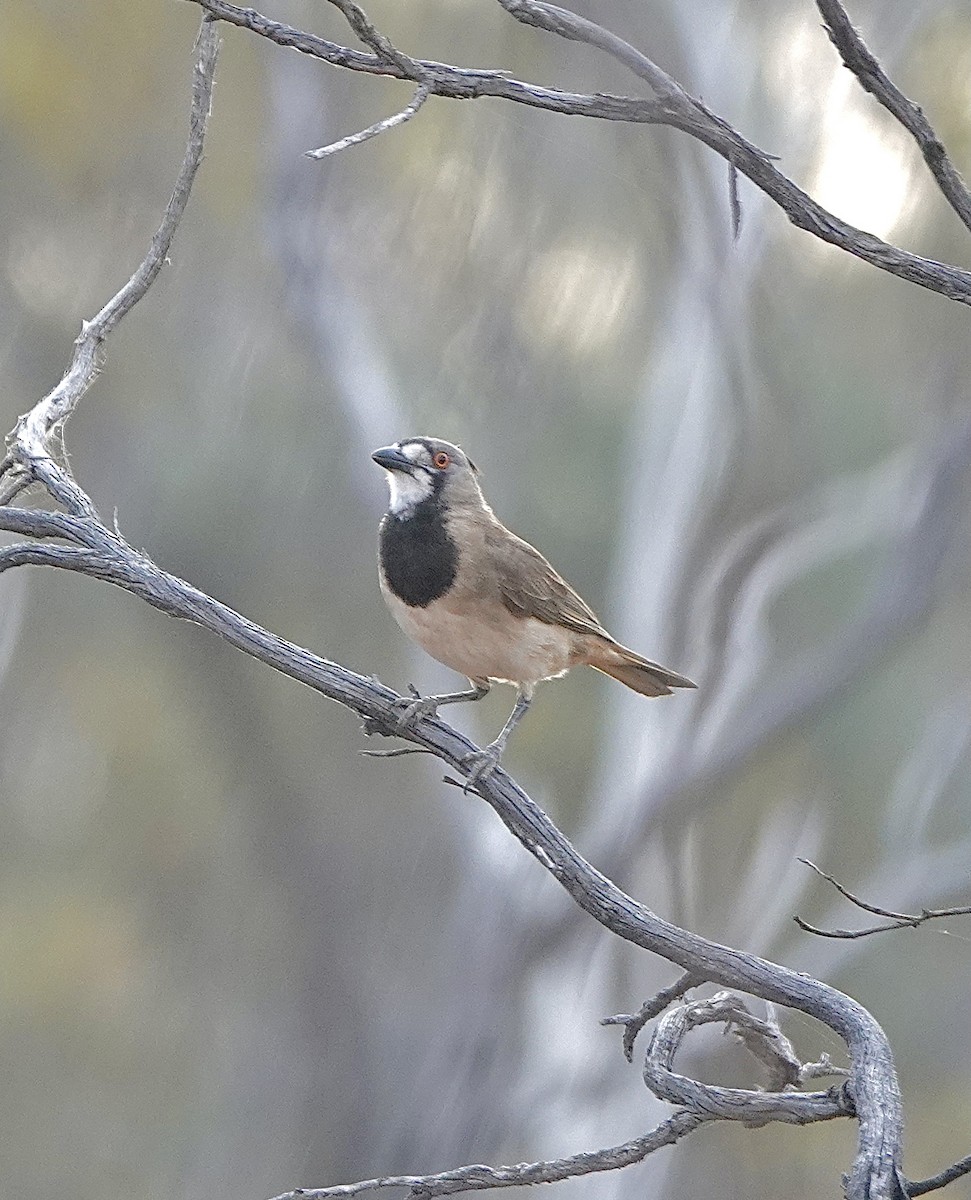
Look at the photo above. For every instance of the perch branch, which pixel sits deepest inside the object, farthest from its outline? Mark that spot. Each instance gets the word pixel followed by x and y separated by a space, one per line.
pixel 93 549
pixel 895 920
pixel 104 554
pixel 670 105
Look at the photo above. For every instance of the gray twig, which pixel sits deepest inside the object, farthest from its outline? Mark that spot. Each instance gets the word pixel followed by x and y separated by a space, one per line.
pixel 476 1176
pixel 942 1179
pixel 355 139
pixel 373 38
pixel 895 920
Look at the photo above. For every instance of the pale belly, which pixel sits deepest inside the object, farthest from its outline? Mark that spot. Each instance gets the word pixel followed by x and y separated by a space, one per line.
pixel 504 648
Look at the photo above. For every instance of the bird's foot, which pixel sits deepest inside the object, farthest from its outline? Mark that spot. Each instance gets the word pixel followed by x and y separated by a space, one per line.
pixel 480 764
pixel 413 710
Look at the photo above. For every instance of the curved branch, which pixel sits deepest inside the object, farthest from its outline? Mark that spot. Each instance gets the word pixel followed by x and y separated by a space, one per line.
pixel 956 1171
pixel 736 1104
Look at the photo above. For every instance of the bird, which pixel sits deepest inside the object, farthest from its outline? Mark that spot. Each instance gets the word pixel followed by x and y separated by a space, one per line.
pixel 480 599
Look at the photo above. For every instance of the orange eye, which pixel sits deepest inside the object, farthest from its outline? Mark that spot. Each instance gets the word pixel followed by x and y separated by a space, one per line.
pixel 441 460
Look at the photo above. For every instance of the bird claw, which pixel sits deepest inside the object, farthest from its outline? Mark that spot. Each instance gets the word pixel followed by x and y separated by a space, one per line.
pixel 414 710
pixel 480 765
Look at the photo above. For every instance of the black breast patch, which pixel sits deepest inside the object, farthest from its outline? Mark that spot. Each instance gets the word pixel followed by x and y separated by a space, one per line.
pixel 418 558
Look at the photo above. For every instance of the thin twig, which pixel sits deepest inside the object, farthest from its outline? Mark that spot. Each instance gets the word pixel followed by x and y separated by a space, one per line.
pixel 394 753
pixel 734 203
pixel 372 37
pixel 895 920
pixel 574 28
pixel 872 78
pixel 476 1176
pixel 355 139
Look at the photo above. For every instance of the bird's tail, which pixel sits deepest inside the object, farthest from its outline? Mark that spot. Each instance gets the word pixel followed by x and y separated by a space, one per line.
pixel 639 674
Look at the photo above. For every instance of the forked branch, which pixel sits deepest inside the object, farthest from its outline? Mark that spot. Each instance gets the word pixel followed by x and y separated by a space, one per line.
pixel 895 920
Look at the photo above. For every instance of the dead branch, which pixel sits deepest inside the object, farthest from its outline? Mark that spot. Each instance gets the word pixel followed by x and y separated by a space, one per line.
pixel 634 1022
pixel 895 920
pixel 766 1042
pixel 476 1176
pixel 102 553
pixel 942 1179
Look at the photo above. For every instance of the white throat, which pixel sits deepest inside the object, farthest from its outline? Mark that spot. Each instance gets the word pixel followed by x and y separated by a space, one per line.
pixel 408 490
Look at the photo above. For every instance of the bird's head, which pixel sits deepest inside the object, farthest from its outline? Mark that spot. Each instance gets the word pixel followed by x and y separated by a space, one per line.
pixel 422 468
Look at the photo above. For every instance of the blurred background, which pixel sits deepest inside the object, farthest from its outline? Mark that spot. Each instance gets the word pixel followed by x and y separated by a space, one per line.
pixel 235 956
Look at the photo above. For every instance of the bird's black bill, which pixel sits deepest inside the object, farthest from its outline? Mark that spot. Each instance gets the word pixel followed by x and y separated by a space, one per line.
pixel 391 458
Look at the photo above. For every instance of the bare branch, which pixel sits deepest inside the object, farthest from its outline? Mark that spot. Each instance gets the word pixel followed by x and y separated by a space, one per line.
pixel 737 1104
pixel 717 1104
pixel 895 920
pixel 29 445
pixel 765 1041
pixel 476 1176
pixel 873 79
pixel 942 1179
pixel 355 139
pixel 635 1022
pixel 871 1092
pixel 371 36
pixel 575 28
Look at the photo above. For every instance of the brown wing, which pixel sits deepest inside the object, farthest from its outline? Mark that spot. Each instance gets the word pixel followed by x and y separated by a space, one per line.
pixel 530 587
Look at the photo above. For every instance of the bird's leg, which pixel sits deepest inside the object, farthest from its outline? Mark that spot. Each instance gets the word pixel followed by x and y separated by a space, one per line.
pixel 427 706
pixel 483 762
